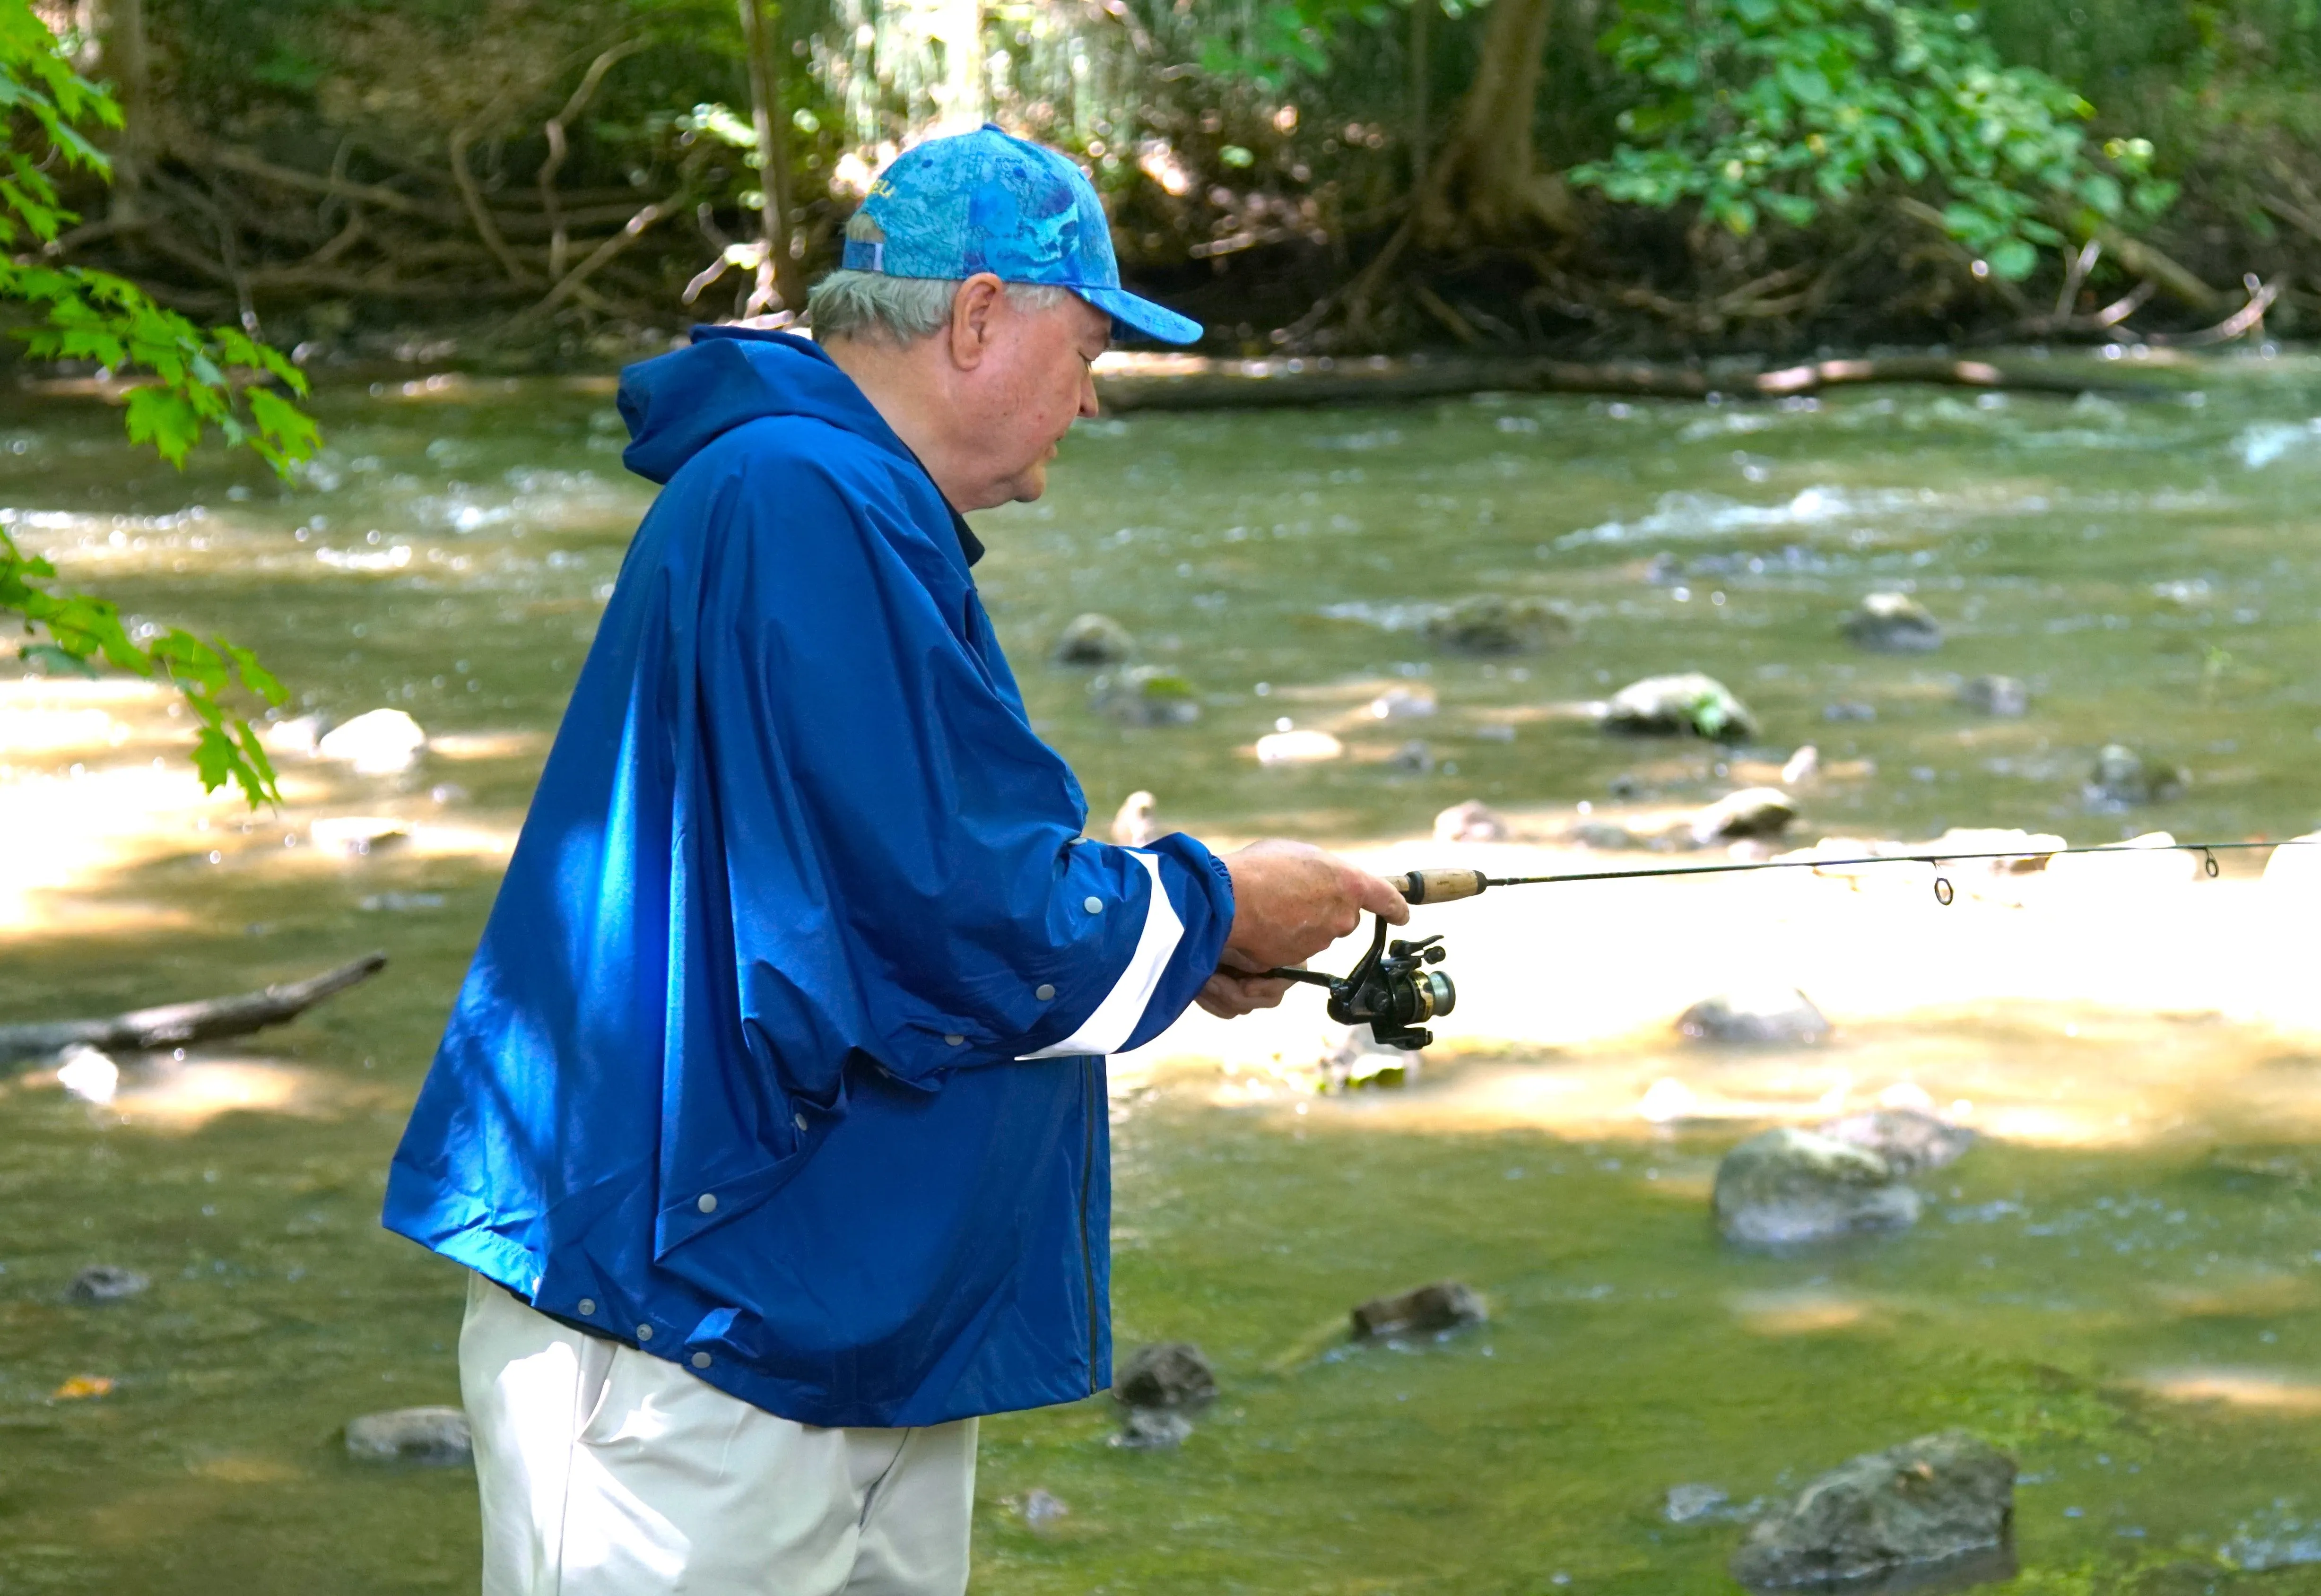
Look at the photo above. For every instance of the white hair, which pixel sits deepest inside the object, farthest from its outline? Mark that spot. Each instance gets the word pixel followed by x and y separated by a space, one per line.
pixel 899 310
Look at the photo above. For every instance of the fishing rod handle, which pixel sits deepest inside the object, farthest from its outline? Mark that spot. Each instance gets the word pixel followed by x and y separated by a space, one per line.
pixel 1439 886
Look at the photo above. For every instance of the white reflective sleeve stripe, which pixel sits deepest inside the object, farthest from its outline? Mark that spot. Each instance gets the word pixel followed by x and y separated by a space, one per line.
pixel 1116 1018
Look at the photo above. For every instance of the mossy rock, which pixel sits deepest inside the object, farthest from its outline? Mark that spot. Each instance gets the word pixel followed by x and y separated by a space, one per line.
pixel 1791 1188
pixel 1492 623
pixel 1687 706
pixel 1145 696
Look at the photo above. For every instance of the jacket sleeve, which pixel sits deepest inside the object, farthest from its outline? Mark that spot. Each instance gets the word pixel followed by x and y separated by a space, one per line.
pixel 899 862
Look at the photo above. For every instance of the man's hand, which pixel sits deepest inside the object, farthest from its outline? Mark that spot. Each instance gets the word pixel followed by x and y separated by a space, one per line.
pixel 1292 900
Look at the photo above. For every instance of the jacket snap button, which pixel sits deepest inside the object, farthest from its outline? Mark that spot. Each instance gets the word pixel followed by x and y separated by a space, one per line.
pixel 700 1360
pixel 644 1332
pixel 1043 992
pixel 706 1202
pixel 799 1120
pixel 1093 905
pixel 954 1041
pixel 588 1306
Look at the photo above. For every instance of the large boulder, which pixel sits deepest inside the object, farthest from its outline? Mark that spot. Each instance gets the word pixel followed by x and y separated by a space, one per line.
pixel 1145 696
pixel 1093 640
pixel 1893 623
pixel 1938 1500
pixel 1754 1016
pixel 1788 1188
pixel 1493 623
pixel 1912 1141
pixel 1690 704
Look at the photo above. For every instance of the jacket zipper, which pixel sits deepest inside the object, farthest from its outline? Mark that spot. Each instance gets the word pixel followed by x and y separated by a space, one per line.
pixel 1087 1178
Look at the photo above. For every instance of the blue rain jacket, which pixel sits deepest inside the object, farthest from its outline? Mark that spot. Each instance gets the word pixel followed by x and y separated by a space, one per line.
pixel 781 1054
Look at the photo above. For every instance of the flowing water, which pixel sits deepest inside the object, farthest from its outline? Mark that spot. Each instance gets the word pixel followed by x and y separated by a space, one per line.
pixel 2138 1318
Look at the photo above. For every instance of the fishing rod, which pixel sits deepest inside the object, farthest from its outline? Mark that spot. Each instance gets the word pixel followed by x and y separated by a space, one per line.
pixel 1394 988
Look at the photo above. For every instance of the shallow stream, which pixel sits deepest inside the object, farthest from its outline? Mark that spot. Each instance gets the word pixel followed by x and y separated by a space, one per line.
pixel 2140 1320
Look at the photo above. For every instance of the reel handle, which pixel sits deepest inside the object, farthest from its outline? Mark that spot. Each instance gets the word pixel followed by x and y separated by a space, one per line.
pixel 1439 886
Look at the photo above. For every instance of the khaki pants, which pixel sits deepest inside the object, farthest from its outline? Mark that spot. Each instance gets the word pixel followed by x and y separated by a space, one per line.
pixel 608 1472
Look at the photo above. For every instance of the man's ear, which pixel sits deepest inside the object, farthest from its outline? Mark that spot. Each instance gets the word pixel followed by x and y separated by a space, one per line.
pixel 974 315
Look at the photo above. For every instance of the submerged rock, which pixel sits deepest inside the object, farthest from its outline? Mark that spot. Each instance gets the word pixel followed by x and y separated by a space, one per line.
pixel 2122 778
pixel 1493 623
pixel 1042 1508
pixel 106 1283
pixel 384 742
pixel 1443 1306
pixel 1152 1429
pixel 1413 757
pixel 1911 1140
pixel 1093 640
pixel 1472 821
pixel 1679 706
pixel 1893 623
pixel 1165 1374
pixel 1753 811
pixel 1911 1509
pixel 1145 696
pixel 1997 695
pixel 1786 1188
pixel 1134 826
pixel 432 1436
pixel 1402 704
pixel 1754 1015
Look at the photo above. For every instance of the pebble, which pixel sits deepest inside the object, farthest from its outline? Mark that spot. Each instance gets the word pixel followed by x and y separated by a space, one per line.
pixel 1133 826
pixel 1893 623
pixel 1754 1015
pixel 1678 705
pixel 106 1283
pixel 1789 1188
pixel 1093 640
pixel 1753 811
pixel 1997 695
pixel 1443 1306
pixel 432 1435
pixel 1924 1506
pixel 384 742
pixel 1472 821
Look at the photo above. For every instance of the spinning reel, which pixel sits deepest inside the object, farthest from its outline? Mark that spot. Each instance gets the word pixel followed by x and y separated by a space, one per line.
pixel 1391 991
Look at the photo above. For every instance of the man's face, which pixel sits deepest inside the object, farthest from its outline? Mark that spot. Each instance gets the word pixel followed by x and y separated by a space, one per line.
pixel 1033 383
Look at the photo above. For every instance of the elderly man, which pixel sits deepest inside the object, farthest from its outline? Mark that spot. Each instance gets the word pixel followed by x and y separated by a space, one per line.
pixel 770 1119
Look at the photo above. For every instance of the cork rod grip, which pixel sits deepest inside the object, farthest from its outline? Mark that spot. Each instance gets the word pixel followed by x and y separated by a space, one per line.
pixel 1440 886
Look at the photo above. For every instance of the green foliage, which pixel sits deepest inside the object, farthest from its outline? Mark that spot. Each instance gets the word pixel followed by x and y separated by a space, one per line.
pixel 187 381
pixel 1785 108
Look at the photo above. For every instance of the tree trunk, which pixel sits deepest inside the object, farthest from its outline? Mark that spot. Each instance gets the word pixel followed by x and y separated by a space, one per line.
pixel 123 58
pixel 781 278
pixel 1485 188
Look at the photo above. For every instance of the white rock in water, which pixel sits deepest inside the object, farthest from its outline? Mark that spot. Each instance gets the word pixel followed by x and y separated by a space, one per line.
pixel 1134 826
pixel 1753 811
pixel 1297 747
pixel 1667 1101
pixel 411 1435
pixel 1472 821
pixel 1402 704
pixel 88 1075
pixel 299 736
pixel 384 742
pixel 1802 766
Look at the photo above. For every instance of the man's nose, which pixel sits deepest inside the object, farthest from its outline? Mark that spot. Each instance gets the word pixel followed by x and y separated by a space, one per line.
pixel 1089 408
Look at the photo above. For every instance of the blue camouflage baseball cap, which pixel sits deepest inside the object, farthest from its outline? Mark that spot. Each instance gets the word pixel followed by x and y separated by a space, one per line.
pixel 982 202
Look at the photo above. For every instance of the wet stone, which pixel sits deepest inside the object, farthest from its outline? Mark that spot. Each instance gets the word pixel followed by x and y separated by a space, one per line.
pixel 1043 1508
pixel 1997 695
pixel 1690 704
pixel 1145 696
pixel 2122 778
pixel 1753 811
pixel 1472 821
pixel 1911 1140
pixel 1886 1519
pixel 1443 1306
pixel 1893 623
pixel 1152 1429
pixel 1413 757
pixel 1165 1374
pixel 1755 1017
pixel 1093 640
pixel 1792 1188
pixel 432 1435
pixel 100 1283
pixel 1492 623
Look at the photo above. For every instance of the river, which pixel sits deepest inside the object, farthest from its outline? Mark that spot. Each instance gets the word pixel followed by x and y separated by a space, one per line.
pixel 2136 1315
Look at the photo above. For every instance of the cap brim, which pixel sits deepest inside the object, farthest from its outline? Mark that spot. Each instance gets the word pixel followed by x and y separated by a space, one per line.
pixel 1142 315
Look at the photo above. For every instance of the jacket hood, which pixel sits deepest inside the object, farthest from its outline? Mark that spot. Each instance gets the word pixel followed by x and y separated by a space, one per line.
pixel 677 405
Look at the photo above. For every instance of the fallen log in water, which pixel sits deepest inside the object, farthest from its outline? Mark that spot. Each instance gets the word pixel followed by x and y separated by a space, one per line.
pixel 175 1025
pixel 1189 383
